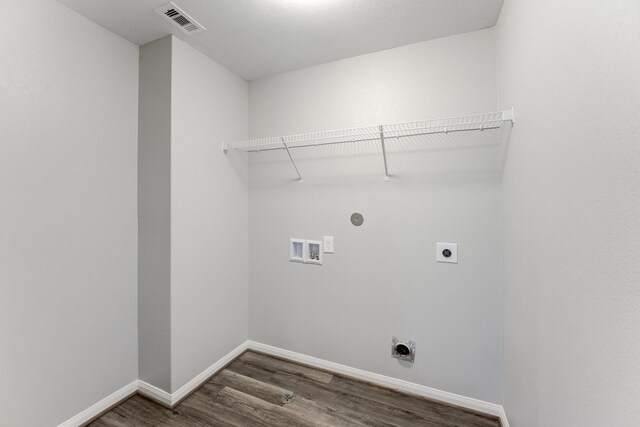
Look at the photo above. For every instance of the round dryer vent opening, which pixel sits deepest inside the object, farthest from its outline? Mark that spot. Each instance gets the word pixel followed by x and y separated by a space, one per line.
pixel 403 349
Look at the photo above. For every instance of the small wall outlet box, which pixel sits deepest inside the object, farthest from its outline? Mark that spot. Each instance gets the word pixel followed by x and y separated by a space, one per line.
pixel 447 252
pixel 314 252
pixel 305 251
pixel 298 250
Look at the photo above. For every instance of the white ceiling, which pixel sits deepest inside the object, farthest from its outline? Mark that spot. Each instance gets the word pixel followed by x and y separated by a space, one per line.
pixel 258 38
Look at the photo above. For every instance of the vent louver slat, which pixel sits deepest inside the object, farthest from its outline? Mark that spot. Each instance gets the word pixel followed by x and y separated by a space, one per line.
pixel 177 17
pixel 182 20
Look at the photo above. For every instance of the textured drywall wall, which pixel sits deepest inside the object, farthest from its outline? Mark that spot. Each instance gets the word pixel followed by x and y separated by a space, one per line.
pixel 382 279
pixel 209 218
pixel 68 226
pixel 572 212
pixel 154 214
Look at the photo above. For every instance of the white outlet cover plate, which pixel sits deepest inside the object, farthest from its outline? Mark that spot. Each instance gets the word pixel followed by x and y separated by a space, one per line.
pixel 441 247
pixel 328 244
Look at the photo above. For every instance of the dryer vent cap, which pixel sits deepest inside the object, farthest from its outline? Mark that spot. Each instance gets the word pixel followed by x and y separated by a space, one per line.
pixel 179 18
pixel 403 349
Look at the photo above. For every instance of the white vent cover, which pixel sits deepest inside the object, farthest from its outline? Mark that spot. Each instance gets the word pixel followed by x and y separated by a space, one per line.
pixel 176 16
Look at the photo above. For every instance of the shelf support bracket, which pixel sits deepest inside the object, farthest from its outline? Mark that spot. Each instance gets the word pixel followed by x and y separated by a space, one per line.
pixel 384 154
pixel 292 161
pixel 509 115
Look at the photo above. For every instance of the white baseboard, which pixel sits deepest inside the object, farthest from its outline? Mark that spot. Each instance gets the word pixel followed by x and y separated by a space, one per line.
pixel 101 406
pixel 192 385
pixel 396 384
pixel 154 393
pixel 504 422
pixel 171 399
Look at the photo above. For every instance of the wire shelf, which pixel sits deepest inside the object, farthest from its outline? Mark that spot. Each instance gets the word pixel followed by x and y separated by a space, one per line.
pixel 385 134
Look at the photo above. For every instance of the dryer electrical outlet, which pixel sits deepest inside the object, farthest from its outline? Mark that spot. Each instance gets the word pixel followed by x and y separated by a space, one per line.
pixel 447 252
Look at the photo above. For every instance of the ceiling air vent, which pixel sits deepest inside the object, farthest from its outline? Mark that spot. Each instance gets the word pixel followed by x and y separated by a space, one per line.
pixel 176 16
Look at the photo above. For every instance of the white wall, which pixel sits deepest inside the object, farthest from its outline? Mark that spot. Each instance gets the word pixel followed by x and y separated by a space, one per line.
pixel 194 213
pixel 154 214
pixel 572 212
pixel 383 279
pixel 209 214
pixel 68 226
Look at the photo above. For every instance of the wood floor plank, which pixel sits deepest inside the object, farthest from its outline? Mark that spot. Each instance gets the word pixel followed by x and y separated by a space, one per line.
pixel 283 366
pixel 248 391
pixel 261 412
pixel 262 390
pixel 357 407
pixel 209 390
pixel 210 413
pixel 429 409
pixel 256 372
pixel 143 412
pixel 325 413
pixel 111 419
pixel 360 410
pixel 392 402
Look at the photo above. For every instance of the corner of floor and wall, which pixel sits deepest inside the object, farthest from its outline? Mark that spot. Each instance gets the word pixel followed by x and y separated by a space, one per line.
pixel 136 257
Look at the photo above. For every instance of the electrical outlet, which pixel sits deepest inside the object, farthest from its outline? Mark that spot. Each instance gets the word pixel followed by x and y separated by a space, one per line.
pixel 447 252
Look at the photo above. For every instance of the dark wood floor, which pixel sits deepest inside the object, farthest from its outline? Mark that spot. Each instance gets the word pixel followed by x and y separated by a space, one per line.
pixel 249 391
